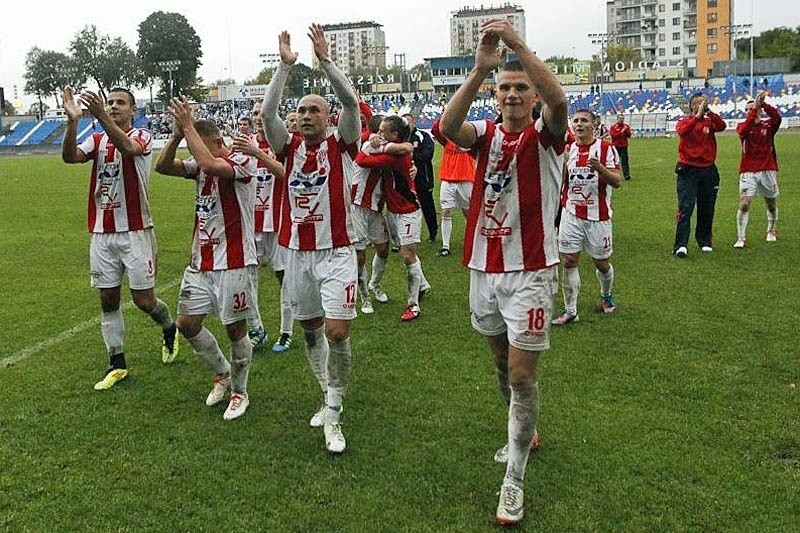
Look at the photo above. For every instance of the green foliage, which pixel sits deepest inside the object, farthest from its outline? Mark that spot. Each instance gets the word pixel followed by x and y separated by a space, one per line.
pixel 106 60
pixel 166 37
pixel 297 76
pixel 48 72
pixel 674 414
pixel 8 108
pixel 777 42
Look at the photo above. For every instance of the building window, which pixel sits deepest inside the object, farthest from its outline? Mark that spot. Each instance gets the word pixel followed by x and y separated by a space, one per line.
pixel 712 48
pixel 662 52
pixel 676 50
pixel 676 21
pixel 712 33
pixel 692 49
pixel 676 6
pixel 676 36
pixel 712 3
pixel 662 37
pixel 662 23
pixel 712 17
pixel 662 8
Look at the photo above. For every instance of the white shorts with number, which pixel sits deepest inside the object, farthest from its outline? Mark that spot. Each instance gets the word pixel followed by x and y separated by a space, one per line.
pixel 231 294
pixel 455 194
pixel 113 254
pixel 764 183
pixel 322 283
pixel 519 303
pixel 269 251
pixel 409 226
pixel 576 235
pixel 370 227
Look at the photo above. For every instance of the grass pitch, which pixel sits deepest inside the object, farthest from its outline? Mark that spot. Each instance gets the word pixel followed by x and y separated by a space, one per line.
pixel 679 412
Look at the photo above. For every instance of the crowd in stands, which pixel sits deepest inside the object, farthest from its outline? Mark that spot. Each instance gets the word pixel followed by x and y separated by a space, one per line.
pixel 728 101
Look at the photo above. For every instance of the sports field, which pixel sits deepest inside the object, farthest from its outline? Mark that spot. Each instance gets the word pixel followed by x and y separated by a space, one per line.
pixel 679 412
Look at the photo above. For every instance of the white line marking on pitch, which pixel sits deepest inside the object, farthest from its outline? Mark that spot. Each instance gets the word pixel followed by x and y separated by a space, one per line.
pixel 648 164
pixel 68 334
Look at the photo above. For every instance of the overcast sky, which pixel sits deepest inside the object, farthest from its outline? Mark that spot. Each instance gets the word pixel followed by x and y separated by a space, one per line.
pixel 233 34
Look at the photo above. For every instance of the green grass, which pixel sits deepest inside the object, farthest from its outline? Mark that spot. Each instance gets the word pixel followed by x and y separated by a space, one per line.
pixel 676 413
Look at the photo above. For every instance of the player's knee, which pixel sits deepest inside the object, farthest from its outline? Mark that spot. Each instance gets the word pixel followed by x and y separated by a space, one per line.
pixel 337 332
pixel 237 330
pixel 188 326
pixel 145 302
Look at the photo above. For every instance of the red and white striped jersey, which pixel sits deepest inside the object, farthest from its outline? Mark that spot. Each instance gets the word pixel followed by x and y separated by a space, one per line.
pixel 317 206
pixel 118 198
pixel 586 193
pixel 367 184
pixel 224 237
pixel 399 188
pixel 511 221
pixel 269 193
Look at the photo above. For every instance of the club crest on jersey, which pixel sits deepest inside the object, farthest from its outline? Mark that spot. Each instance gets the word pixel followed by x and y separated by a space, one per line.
pixel 109 171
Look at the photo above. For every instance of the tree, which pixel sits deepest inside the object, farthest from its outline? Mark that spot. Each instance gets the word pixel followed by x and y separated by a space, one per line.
pixel 295 85
pixel 263 77
pixel 169 37
pixel 614 53
pixel 777 42
pixel 8 108
pixel 106 60
pixel 47 72
pixel 38 109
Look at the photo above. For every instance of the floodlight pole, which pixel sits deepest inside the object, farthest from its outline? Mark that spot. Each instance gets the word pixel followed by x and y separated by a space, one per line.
pixel 602 40
pixel 170 66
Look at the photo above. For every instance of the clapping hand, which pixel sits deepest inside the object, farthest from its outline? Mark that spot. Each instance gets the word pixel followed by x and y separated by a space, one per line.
pixel 285 48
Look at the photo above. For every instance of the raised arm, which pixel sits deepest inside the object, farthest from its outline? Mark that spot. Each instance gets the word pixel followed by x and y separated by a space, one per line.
pixel 274 128
pixel 70 153
pixel 245 145
pixel 350 117
pixel 544 80
pixel 206 161
pixel 453 123
pixel 168 164
pixel 97 107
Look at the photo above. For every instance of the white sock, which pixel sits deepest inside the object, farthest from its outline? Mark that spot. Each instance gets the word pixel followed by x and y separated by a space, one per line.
pixel 378 268
pixel 160 314
pixel 772 219
pixel 206 347
pixel 606 280
pixel 317 354
pixel 112 327
pixel 339 363
pixel 447 231
pixel 414 277
pixel 572 286
pixel 287 317
pixel 241 355
pixel 741 222
pixel 523 414
pixel 423 280
pixel 362 283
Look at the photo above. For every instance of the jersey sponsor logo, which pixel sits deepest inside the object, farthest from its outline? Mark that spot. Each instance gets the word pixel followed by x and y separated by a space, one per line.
pixel 497 183
pixel 109 184
pixel 207 238
pixel 499 230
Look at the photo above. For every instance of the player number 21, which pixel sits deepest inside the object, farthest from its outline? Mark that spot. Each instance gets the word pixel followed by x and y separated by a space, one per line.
pixel 536 318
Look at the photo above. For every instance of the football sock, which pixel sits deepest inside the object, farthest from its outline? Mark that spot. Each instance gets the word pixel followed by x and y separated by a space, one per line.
pixel 741 222
pixel 423 280
pixel 206 347
pixel 606 280
pixel 523 414
pixel 378 268
pixel 447 231
pixel 333 414
pixel 317 354
pixel 117 360
pixel 255 322
pixel 287 317
pixel 338 371
pixel 414 277
pixel 241 355
pixel 362 283
pixel 572 286
pixel 112 327
pixel 160 314
pixel 772 219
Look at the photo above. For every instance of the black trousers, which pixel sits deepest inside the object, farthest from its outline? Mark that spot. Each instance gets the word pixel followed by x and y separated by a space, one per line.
pixel 428 209
pixel 623 159
pixel 696 185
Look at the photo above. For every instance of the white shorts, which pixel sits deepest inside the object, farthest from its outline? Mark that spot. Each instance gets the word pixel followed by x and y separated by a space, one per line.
pixel 764 183
pixel 369 226
pixel 322 283
pixel 269 251
pixel 576 235
pixel 113 254
pixel 520 303
pixel 455 194
pixel 409 226
pixel 231 294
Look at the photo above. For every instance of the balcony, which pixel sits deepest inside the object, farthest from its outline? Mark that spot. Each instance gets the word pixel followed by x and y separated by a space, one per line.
pixel 690 24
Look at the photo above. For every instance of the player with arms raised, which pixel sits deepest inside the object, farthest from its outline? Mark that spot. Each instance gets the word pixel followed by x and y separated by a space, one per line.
pixel 510 243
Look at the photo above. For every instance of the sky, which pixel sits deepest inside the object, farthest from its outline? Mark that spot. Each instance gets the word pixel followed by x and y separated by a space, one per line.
pixel 232 38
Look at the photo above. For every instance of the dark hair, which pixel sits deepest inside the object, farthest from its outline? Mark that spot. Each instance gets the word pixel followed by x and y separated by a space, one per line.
pixel 374 123
pixel 513 66
pixel 207 129
pixel 245 119
pixel 400 126
pixel 126 91
pixel 589 112
pixel 694 97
